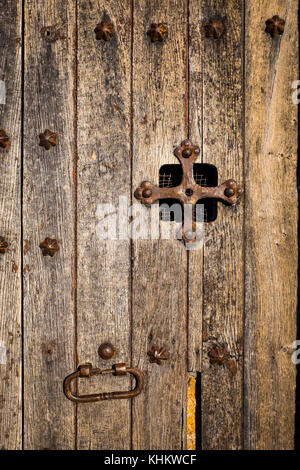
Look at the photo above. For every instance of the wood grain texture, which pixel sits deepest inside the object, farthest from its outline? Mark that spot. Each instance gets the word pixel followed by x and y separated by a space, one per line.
pixel 104 126
pixel 48 210
pixel 159 265
pixel 222 134
pixel 10 227
pixel 195 262
pixel 271 227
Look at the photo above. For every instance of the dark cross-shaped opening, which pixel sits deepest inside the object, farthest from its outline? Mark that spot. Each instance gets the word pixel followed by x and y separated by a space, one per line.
pixel 204 175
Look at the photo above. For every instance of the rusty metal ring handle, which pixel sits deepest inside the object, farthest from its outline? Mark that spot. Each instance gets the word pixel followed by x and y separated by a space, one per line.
pixel 87 371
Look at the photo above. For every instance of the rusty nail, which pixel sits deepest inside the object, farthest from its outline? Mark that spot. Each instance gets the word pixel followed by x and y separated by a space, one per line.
pixel 147 193
pixel 48 139
pixel 157 32
pixel 218 355
pixel 214 28
pixel 229 192
pixel 275 26
pixel 4 140
pixel 3 245
pixel 106 351
pixel 157 355
pixel 49 246
pixel 104 31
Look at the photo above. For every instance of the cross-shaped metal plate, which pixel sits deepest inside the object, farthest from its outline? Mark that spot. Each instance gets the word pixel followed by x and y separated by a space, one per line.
pixel 188 191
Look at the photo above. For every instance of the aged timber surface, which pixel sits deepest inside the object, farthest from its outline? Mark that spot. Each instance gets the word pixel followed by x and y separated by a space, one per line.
pixel 159 266
pixel 271 66
pixel 222 134
pixel 48 212
pixel 10 227
pixel 103 175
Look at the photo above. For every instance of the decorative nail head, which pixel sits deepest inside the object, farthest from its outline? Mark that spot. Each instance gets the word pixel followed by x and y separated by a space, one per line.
pixel 4 140
pixel 48 139
pixel 275 26
pixel 104 31
pixel 49 246
pixel 157 355
pixel 157 32
pixel 3 245
pixel 107 351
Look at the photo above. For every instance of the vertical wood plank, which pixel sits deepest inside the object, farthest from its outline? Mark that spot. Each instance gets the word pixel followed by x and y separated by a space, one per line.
pixel 195 264
pixel 222 134
pixel 48 212
pixel 159 265
pixel 104 127
pixel 10 226
pixel 271 227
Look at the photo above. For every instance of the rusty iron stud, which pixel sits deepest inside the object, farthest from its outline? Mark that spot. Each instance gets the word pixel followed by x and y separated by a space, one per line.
pixel 214 28
pixel 104 31
pixel 49 246
pixel 3 245
pixel 275 26
pixel 218 355
pixel 106 351
pixel 157 32
pixel 48 139
pixel 4 140
pixel 86 371
pixel 157 355
pixel 188 192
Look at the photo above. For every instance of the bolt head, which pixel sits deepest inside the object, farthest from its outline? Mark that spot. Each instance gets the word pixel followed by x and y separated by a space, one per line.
pixel 229 192
pixel 107 351
pixel 189 235
pixel 187 152
pixel 147 193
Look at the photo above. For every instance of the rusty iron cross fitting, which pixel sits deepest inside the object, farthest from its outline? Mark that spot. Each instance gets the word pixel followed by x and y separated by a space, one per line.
pixel 86 371
pixel 188 191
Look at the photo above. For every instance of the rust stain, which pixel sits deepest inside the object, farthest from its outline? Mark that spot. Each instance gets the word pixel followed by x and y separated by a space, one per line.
pixel 26 247
pixel 14 267
pixel 26 269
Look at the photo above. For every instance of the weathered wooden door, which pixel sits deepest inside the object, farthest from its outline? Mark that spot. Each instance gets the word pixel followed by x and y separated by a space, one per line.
pixel 225 313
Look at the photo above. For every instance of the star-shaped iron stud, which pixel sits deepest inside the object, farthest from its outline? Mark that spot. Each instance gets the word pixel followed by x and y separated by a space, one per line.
pixel 157 32
pixel 157 355
pixel 48 139
pixel 188 191
pixel 49 246
pixel 4 140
